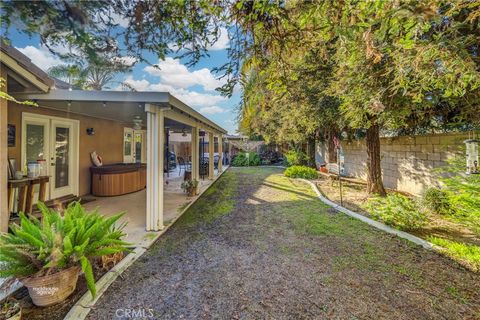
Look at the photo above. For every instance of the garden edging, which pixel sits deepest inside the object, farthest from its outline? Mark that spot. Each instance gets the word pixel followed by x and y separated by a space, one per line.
pixel 83 306
pixel 373 223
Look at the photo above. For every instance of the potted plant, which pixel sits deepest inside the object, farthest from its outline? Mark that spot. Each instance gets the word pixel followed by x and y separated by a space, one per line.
pixel 10 310
pixel 47 255
pixel 190 187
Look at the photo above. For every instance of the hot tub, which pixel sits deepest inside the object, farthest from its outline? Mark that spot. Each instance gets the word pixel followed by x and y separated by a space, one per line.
pixel 117 179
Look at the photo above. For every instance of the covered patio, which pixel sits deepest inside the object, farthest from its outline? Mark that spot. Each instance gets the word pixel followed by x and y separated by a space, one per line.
pixel 159 114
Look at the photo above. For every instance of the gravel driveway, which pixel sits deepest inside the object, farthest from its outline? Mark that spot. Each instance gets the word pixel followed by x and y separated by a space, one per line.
pixel 258 245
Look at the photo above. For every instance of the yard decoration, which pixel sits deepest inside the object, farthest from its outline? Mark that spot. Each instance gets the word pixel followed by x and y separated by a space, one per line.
pixel 47 255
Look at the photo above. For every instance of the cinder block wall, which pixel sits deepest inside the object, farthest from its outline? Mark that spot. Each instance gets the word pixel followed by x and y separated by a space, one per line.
pixel 407 162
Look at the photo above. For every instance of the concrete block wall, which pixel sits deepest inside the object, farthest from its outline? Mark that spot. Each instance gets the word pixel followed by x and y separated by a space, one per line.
pixel 407 162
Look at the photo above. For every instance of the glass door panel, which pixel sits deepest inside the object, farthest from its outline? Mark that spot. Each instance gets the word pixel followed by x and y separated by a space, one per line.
pixel 64 176
pixel 62 156
pixel 128 145
pixel 138 146
pixel 35 142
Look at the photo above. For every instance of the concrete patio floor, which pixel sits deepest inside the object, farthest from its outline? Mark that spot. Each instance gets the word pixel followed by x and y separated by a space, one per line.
pixel 134 204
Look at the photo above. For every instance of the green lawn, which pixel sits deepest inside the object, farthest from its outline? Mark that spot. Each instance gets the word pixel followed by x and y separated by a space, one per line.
pixel 260 245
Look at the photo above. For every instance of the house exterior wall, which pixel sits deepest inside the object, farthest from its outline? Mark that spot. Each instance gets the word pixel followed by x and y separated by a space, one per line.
pixel 107 141
pixel 4 214
pixel 407 162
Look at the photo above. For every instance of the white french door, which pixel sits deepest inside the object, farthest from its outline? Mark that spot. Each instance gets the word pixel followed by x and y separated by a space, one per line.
pixel 134 146
pixel 128 145
pixel 54 140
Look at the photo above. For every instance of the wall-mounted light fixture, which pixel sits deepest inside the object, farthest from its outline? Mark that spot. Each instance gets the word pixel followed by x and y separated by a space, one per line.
pixel 90 131
pixel 137 123
pixel 69 103
pixel 104 104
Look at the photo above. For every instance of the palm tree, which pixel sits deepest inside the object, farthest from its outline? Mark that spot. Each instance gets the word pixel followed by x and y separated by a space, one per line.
pixel 72 74
pixel 91 75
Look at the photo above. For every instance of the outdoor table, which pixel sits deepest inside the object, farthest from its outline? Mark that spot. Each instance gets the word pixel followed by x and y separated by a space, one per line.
pixel 26 187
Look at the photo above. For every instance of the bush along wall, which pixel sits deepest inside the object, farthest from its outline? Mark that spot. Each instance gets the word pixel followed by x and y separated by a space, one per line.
pixel 241 159
pixel 301 172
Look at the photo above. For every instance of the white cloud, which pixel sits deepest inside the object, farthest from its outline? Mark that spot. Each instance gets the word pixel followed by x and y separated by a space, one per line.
pixel 41 57
pixel 197 99
pixel 212 110
pixel 172 72
pixel 222 42
pixel 139 85
pixel 191 98
pixel 120 20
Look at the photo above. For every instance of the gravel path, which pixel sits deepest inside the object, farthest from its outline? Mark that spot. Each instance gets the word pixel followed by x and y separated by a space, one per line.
pixel 258 245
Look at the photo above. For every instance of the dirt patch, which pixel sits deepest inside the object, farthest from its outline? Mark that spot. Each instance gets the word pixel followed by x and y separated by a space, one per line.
pixel 259 245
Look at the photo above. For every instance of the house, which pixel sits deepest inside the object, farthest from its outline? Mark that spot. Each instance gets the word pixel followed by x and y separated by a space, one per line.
pixel 121 127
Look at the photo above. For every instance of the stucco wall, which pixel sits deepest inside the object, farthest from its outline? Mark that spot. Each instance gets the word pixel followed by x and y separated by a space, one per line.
pixel 107 141
pixel 407 162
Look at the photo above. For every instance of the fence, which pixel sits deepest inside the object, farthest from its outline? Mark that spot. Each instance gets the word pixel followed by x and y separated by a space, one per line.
pixel 407 162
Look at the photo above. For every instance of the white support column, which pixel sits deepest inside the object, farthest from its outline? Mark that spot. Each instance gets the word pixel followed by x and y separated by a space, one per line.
pixel 220 154
pixel 155 155
pixel 195 155
pixel 4 214
pixel 161 158
pixel 211 158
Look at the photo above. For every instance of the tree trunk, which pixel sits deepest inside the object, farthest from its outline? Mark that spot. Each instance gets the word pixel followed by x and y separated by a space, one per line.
pixel 332 151
pixel 374 170
pixel 311 152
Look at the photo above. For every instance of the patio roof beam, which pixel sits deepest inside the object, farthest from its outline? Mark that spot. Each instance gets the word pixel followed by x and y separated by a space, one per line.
pixel 92 96
pixel 162 99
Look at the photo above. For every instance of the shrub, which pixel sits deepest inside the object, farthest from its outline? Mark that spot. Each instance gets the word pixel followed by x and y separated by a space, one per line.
pixel 301 172
pixel 463 193
pixel 294 158
pixel 437 201
pixel 268 156
pixel 396 210
pixel 469 254
pixel 37 248
pixel 241 160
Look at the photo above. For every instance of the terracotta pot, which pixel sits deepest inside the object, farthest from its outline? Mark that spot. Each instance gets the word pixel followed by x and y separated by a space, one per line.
pixel 53 288
pixel 191 192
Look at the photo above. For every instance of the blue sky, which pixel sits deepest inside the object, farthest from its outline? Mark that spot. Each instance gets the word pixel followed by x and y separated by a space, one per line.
pixel 195 85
